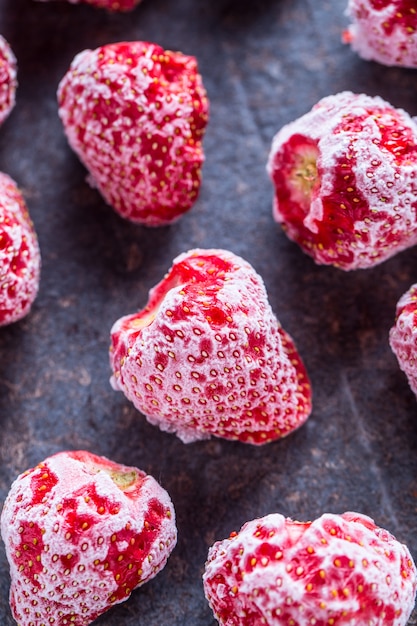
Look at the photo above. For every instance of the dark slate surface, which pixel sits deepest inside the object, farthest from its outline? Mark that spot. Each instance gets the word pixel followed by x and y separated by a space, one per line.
pixel 264 63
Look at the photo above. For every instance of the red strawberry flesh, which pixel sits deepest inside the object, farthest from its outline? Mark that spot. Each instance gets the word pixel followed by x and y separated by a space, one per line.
pixel 384 31
pixel 136 114
pixel 403 335
pixel 207 356
pixel 20 260
pixel 81 532
pixel 343 177
pixel 338 569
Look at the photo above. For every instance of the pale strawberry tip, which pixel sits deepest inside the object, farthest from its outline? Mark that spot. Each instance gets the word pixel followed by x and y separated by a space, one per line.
pixel 335 569
pixel 303 176
pixel 213 359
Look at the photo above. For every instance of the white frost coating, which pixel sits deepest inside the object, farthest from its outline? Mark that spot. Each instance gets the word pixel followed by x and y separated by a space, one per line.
pixel 20 259
pixel 370 40
pixel 386 184
pixel 53 516
pixel 123 167
pixel 8 79
pixel 403 335
pixel 276 581
pixel 194 390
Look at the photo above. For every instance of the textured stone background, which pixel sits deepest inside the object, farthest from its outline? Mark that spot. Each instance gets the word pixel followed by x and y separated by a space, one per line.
pixel 264 63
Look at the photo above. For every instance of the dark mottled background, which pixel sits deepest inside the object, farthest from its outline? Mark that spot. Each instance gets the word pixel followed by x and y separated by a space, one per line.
pixel 264 63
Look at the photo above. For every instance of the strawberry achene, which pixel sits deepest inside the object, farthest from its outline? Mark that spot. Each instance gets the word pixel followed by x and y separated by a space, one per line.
pixel 207 356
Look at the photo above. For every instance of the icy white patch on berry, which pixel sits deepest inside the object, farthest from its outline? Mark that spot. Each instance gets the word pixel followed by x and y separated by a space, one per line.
pixel 20 259
pixel 336 569
pixel 403 336
pixel 207 356
pixel 386 34
pixel 78 540
pixel 8 79
pixel 361 209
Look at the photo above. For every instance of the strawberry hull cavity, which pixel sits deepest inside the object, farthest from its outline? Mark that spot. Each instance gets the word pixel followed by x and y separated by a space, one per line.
pixel 135 114
pixel 81 532
pixel 345 181
pixel 207 356
pixel 8 79
pixel 403 336
pixel 338 569
pixel 384 31
pixel 20 259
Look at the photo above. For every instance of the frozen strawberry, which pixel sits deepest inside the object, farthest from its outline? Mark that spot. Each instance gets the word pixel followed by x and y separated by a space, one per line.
pixel 81 532
pixel 403 335
pixel 344 177
pixel 384 31
pixel 337 570
pixel 136 114
pixel 110 5
pixel 8 79
pixel 207 356
pixel 20 259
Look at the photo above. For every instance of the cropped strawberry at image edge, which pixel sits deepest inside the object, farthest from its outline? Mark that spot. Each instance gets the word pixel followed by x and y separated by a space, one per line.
pixel 113 6
pixel 343 176
pixel 337 569
pixel 20 257
pixel 383 31
pixel 8 79
pixel 82 532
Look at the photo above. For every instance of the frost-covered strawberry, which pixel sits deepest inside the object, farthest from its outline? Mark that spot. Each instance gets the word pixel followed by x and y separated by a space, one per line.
pixel 207 356
pixel 384 31
pixel 403 335
pixel 81 532
pixel 110 5
pixel 136 114
pixel 20 259
pixel 338 569
pixel 345 183
pixel 8 79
